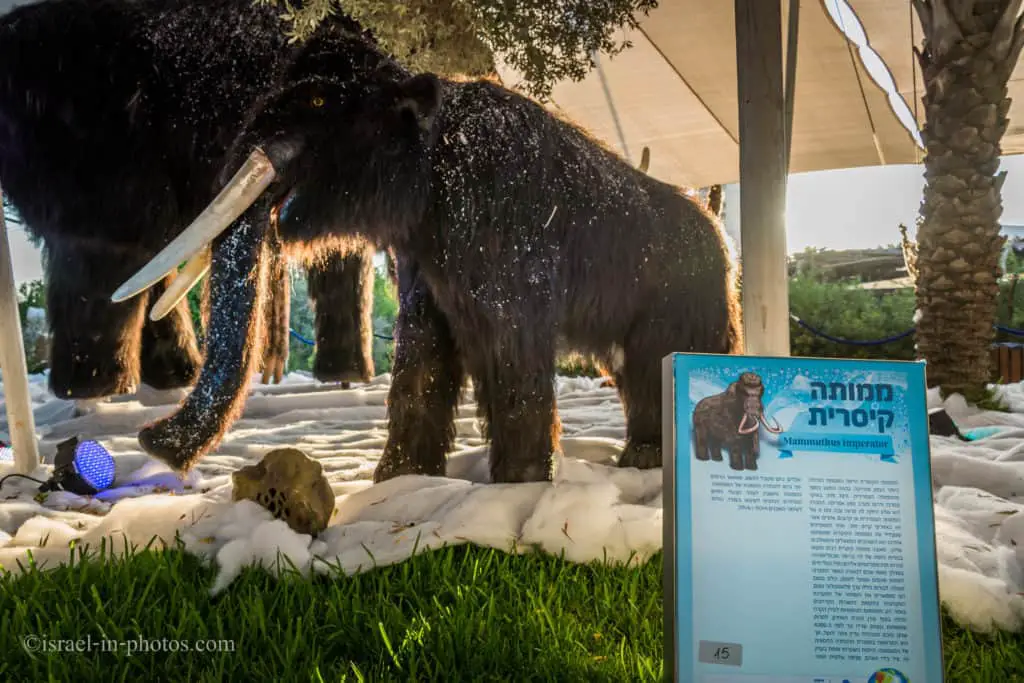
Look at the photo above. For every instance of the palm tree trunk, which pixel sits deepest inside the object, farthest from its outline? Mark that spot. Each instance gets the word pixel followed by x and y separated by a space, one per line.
pixel 970 48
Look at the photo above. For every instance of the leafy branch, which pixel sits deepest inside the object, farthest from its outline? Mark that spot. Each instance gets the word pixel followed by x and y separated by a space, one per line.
pixel 545 40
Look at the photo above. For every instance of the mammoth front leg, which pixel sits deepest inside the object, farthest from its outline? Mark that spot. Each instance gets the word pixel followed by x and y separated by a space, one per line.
pixel 95 343
pixel 341 288
pixel 426 379
pixel 737 454
pixel 170 357
pixel 233 341
pixel 515 383
pixel 752 451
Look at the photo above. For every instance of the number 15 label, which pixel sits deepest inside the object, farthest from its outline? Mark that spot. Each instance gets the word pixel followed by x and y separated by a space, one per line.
pixel 728 654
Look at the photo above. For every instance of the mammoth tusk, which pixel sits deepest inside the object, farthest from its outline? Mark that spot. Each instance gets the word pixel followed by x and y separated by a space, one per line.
pixel 748 430
pixel 239 194
pixel 777 429
pixel 192 273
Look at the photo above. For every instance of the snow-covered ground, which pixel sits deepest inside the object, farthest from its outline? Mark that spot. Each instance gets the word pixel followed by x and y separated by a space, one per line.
pixel 593 510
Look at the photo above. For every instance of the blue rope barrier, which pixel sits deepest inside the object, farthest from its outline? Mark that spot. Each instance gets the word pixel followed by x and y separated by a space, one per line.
pixel 850 342
pixel 310 342
pixel 1010 330
pixel 886 340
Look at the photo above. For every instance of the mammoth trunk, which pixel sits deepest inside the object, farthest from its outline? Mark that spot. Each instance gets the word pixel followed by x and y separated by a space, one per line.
pixel 233 344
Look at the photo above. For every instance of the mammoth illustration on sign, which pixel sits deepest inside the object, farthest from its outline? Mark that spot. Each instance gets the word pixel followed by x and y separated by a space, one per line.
pixel 730 420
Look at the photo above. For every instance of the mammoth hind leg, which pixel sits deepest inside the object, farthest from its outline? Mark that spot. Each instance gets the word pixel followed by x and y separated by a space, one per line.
pixel 751 452
pixel 170 357
pixel 700 444
pixel 639 385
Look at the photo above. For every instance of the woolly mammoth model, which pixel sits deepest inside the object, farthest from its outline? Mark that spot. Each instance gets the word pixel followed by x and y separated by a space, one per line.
pixel 511 227
pixel 731 420
pixel 115 116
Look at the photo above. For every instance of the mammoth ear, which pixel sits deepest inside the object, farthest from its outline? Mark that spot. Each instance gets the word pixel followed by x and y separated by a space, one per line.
pixel 421 96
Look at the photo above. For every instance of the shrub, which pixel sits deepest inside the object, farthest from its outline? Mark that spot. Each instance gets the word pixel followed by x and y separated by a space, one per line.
pixel 847 312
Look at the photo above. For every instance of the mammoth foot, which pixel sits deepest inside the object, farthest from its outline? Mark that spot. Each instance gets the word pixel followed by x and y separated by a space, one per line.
pixel 344 377
pixel 643 456
pixel 522 472
pixel 395 464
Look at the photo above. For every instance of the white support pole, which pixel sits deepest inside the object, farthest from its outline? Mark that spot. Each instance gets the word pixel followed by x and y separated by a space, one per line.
pixel 763 172
pixel 13 370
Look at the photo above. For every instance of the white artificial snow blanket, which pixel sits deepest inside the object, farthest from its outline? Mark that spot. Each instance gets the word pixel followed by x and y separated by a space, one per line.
pixel 592 511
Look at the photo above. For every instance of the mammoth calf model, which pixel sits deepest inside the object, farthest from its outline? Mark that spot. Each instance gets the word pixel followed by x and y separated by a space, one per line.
pixel 115 117
pixel 731 420
pixel 512 228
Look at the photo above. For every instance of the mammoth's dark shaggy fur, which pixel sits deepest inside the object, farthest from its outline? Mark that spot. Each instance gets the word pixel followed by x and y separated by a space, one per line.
pixel 115 116
pixel 344 332
pixel 512 228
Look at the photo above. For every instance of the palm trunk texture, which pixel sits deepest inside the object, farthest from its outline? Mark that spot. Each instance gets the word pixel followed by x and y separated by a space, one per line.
pixel 969 50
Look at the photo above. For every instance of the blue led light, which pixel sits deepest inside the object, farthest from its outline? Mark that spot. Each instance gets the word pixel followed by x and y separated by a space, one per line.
pixel 94 464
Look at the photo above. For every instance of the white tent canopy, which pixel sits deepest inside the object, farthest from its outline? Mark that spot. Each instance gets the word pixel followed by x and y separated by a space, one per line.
pixel 675 90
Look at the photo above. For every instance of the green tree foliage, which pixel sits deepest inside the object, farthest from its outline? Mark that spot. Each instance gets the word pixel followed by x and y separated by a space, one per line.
pixel 31 295
pixel 545 40
pixel 34 335
pixel 385 311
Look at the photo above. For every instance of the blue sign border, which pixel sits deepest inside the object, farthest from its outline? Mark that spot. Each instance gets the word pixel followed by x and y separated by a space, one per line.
pixel 680 647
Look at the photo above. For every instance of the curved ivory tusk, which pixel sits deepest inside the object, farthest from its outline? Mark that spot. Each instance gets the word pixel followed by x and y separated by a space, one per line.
pixel 192 273
pixel 777 429
pixel 749 430
pixel 239 194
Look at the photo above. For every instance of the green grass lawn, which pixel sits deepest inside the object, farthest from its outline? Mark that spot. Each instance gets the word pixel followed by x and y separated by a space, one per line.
pixel 458 614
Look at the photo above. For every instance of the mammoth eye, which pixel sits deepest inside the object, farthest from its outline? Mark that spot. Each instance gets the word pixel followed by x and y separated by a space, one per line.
pixel 317 101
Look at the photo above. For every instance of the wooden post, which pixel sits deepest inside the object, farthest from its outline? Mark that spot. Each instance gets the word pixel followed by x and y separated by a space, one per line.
pixel 763 161
pixel 13 370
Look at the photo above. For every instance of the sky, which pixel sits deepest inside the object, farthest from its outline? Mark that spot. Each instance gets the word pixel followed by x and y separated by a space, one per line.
pixel 846 209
